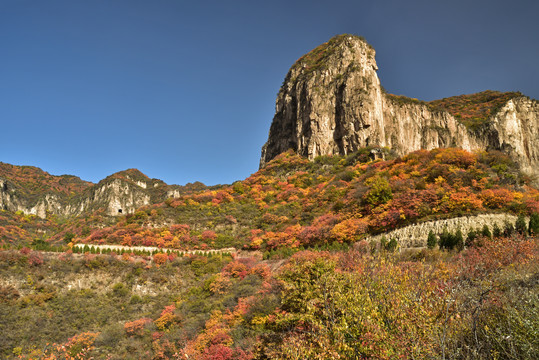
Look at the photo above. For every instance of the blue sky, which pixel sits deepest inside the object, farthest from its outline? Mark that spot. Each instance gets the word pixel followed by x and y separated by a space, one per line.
pixel 185 90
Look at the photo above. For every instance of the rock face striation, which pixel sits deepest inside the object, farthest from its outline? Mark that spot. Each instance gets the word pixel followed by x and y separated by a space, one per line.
pixel 33 191
pixel 331 102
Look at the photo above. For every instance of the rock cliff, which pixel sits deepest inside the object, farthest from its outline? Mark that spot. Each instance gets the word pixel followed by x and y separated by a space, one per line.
pixel 331 102
pixel 33 191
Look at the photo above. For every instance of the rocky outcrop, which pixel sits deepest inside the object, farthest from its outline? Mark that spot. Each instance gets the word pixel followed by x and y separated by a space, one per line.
pixel 515 130
pixel 119 194
pixel 36 192
pixel 115 197
pixel 9 200
pixel 331 102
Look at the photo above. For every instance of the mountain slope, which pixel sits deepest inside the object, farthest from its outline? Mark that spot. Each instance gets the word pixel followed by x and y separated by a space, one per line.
pixel 332 201
pixel 331 102
pixel 33 191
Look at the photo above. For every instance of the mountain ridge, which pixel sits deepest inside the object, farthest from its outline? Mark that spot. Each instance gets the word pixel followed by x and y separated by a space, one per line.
pixel 332 102
pixel 34 191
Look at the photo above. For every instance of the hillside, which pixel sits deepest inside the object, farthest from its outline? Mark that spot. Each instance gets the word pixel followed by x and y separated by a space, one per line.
pixel 474 110
pixel 313 279
pixel 366 302
pixel 33 191
pixel 31 184
pixel 293 203
pixel 377 227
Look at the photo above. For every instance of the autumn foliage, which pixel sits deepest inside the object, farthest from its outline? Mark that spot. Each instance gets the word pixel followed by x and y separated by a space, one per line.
pixel 305 282
pixel 474 109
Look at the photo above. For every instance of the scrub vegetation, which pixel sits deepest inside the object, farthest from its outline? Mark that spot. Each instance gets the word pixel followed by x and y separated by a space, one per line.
pixel 304 281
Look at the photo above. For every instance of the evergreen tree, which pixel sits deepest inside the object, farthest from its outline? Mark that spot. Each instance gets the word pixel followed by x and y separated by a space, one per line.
pixel 472 234
pixel 459 240
pixel 496 231
pixel 446 239
pixel 431 240
pixel 520 225
pixel 533 228
pixel 392 245
pixel 486 231
pixel 509 229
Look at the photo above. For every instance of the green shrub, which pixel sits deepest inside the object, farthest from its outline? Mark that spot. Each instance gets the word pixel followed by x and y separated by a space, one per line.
pixel 379 191
pixel 392 245
pixel 486 232
pixel 383 242
pixel 459 240
pixel 431 240
pixel 68 237
pixel 520 225
pixel 533 227
pixel 119 289
pixel 496 231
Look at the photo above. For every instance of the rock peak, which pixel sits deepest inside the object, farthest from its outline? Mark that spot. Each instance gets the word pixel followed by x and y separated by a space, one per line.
pixel 331 102
pixel 339 55
pixel 323 99
pixel 340 46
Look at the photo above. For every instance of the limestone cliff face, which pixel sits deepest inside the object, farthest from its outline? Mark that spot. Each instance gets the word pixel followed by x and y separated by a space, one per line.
pixel 331 102
pixel 12 200
pixel 119 194
pixel 33 191
pixel 115 197
pixel 515 130
pixel 328 100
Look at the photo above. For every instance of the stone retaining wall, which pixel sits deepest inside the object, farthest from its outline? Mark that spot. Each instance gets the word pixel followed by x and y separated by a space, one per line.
pixel 416 235
pixel 153 249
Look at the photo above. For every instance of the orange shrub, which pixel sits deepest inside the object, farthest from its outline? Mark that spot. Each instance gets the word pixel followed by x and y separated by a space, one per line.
pixel 497 198
pixel 454 156
pixel 81 343
pixel 167 318
pixel 160 258
pixel 236 269
pixel 208 235
pixel 136 327
pixel 349 230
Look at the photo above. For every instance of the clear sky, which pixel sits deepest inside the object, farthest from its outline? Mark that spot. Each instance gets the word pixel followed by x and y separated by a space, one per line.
pixel 185 90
